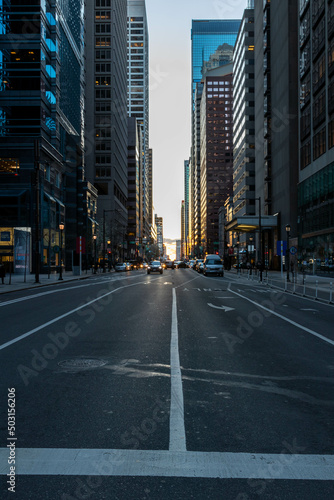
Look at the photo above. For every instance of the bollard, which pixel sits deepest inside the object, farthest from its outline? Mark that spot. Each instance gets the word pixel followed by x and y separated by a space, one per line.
pixel 330 292
pixel 304 292
pixel 286 284
pixel 294 286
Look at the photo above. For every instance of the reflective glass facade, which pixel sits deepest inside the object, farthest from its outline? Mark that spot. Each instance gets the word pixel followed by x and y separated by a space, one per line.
pixel 316 128
pixel 41 98
pixel 207 36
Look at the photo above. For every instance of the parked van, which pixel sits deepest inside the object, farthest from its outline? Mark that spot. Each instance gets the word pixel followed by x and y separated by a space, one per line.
pixel 213 265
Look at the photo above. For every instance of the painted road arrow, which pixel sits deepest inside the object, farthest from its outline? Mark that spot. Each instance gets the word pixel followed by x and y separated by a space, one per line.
pixel 223 308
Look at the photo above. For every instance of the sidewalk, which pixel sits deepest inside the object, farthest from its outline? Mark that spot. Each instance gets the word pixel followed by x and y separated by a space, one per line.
pixel 16 282
pixel 309 286
pixel 309 279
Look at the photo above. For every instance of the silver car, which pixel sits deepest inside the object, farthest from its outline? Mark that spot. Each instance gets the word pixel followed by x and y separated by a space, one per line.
pixel 213 265
pixel 120 266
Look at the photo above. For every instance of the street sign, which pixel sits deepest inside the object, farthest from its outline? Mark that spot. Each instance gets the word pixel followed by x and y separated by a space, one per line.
pixel 279 247
pixel 293 250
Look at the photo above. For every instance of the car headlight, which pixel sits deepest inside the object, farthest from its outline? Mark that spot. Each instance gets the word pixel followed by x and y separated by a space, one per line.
pixel 160 267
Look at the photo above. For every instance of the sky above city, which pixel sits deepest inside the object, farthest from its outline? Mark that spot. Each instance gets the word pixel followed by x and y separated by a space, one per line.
pixel 169 24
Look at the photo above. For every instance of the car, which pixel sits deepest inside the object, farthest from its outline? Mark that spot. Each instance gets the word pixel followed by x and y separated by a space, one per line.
pixel 134 265
pixel 200 267
pixel 155 267
pixel 120 266
pixel 213 265
pixel 176 263
pixel 191 263
pixel 197 263
pixel 128 266
pixel 182 265
pixel 169 264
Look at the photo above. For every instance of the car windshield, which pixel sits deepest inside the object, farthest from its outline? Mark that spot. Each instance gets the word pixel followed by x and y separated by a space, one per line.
pixel 213 262
pixel 155 263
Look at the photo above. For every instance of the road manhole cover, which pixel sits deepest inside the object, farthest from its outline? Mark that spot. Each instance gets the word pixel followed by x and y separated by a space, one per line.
pixel 82 364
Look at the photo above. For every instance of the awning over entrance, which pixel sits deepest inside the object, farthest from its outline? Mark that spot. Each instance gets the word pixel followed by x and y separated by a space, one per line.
pixel 250 223
pixel 49 197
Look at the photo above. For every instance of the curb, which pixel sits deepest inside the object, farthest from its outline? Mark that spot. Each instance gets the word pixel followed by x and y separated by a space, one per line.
pixel 40 285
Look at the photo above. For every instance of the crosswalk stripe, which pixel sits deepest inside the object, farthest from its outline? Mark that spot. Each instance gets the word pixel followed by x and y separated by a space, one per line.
pixel 104 462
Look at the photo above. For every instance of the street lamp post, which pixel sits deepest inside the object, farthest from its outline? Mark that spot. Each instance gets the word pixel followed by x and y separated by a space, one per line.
pixel 109 242
pixel 61 228
pixel 238 258
pixel 288 229
pixel 260 243
pixel 94 238
pixel 251 252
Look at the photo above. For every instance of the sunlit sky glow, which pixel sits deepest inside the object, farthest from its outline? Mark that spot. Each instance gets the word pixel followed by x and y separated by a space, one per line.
pixel 169 24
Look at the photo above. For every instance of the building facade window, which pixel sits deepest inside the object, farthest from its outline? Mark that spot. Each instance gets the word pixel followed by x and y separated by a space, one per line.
pixel 305 157
pixel 331 133
pixel 319 143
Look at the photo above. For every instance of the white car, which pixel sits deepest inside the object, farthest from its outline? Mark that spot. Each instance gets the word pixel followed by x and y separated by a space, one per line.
pixel 213 265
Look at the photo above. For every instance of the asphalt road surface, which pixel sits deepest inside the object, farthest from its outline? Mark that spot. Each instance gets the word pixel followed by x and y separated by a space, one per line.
pixel 175 386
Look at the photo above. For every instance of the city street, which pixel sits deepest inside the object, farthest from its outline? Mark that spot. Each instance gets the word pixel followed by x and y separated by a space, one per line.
pixel 173 386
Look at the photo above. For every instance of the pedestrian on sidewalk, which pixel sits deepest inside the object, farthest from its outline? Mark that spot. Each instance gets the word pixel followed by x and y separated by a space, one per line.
pixel 2 272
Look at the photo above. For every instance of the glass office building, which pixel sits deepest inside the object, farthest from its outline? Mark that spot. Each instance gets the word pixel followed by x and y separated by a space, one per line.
pixel 42 119
pixel 316 135
pixel 207 36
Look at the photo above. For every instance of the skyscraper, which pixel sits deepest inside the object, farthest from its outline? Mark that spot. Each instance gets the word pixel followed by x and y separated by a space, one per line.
pixel 316 115
pixel 138 92
pixel 106 115
pixel 244 122
pixel 160 233
pixel 186 204
pixel 41 122
pixel 150 191
pixel 134 165
pixel 276 118
pixel 216 151
pixel 208 37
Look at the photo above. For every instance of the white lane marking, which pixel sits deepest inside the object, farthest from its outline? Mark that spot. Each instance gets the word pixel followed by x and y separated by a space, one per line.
pixel 225 298
pixel 177 435
pixel 223 308
pixel 104 462
pixel 182 284
pixel 312 332
pixel 314 310
pixel 37 295
pixel 58 318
